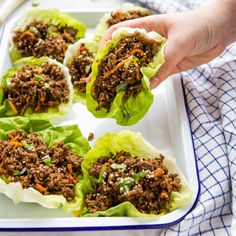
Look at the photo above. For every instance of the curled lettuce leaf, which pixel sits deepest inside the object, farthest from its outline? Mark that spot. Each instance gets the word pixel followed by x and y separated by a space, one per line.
pixel 52 16
pixel 103 26
pixel 71 136
pixel 72 52
pixel 131 111
pixel 136 145
pixel 52 113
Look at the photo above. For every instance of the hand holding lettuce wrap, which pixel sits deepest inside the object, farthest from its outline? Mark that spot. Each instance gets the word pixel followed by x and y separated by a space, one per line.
pixel 124 175
pixel 36 87
pixel 189 45
pixel 121 73
pixel 40 163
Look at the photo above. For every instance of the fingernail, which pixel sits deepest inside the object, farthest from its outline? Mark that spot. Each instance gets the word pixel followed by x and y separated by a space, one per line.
pixel 88 78
pixel 155 82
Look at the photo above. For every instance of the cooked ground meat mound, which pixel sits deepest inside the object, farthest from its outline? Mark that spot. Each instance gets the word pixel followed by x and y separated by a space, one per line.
pixel 42 39
pixel 37 87
pixel 120 69
pixel 80 67
pixel 25 158
pixel 143 182
pixel 117 17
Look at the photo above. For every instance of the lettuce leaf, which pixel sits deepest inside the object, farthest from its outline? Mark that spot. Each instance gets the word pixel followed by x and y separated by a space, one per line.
pixel 72 52
pixel 71 136
pixel 131 111
pixel 52 113
pixel 136 145
pixel 52 16
pixel 103 26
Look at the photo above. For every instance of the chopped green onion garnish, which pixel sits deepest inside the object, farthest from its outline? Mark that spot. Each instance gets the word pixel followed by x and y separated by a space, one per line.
pixel 87 69
pixel 33 30
pixel 104 175
pixel 8 83
pixel 46 85
pixel 38 78
pixel 118 166
pixel 125 184
pixel 4 178
pixel 21 172
pixel 121 87
pixel 139 175
pixel 27 146
pixel 52 30
pixel 47 160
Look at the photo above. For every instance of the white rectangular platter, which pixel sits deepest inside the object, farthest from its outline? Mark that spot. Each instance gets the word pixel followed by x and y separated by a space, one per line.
pixel 166 126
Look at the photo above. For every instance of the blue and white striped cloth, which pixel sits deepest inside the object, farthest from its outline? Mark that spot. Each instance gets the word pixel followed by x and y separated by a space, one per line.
pixel 210 92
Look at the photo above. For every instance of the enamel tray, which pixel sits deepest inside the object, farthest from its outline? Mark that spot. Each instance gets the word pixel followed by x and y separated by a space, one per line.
pixel 166 126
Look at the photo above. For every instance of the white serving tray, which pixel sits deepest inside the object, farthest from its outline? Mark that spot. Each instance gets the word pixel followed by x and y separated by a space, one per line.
pixel 166 126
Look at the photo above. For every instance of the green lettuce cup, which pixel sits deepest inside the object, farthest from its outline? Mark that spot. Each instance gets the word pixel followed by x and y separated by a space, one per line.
pixel 79 58
pixel 126 12
pixel 36 87
pixel 124 175
pixel 43 32
pixel 121 73
pixel 40 163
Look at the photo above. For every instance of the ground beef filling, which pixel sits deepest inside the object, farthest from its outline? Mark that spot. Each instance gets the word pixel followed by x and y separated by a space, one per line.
pixel 80 67
pixel 120 69
pixel 37 87
pixel 143 182
pixel 42 39
pixel 117 17
pixel 25 158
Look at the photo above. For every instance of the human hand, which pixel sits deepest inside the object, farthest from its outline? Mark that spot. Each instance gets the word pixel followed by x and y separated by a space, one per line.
pixel 194 37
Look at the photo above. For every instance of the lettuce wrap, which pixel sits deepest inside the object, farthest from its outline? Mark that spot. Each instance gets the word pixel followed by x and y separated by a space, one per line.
pixel 126 12
pixel 121 73
pixel 78 59
pixel 43 82
pixel 45 33
pixel 71 137
pixel 134 144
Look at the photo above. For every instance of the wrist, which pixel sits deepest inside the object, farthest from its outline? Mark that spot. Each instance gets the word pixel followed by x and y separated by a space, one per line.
pixel 227 11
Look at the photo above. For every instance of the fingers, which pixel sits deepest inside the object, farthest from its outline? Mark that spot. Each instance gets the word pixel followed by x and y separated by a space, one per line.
pixel 155 82
pixel 175 50
pixel 176 60
pixel 88 79
pixel 149 23
pixel 129 23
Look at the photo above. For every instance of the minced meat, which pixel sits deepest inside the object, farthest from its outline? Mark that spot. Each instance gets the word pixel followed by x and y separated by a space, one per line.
pixel 37 87
pixel 42 39
pixel 80 67
pixel 25 158
pixel 145 183
pixel 117 17
pixel 120 69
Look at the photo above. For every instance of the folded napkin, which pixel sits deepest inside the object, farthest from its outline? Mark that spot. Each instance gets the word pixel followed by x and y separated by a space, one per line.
pixel 7 7
pixel 210 92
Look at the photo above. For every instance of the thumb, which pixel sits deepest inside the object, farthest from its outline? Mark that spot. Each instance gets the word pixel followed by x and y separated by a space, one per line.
pixel 174 52
pixel 129 23
pixel 150 23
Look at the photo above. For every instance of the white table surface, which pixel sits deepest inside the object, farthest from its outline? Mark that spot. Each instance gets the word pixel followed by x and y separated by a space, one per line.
pixel 73 4
pixel 67 5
